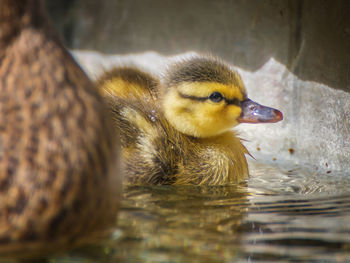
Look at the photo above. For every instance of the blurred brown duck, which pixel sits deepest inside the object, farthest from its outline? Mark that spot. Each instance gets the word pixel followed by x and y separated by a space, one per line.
pixel 180 131
pixel 58 163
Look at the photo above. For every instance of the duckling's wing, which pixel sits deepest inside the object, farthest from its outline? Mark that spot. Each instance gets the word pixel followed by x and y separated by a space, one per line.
pixel 151 147
pixel 150 144
pixel 131 95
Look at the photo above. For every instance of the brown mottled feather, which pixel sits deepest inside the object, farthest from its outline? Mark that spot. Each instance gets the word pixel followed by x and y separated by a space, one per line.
pixel 58 176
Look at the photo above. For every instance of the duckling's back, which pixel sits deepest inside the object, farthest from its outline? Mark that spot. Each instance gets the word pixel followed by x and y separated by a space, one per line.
pixel 145 135
pixel 58 176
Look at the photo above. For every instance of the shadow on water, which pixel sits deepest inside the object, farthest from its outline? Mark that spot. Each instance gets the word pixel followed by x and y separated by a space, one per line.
pixel 262 221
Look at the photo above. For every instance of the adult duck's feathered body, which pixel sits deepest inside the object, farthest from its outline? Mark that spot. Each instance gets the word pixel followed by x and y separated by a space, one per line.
pixel 58 176
pixel 180 131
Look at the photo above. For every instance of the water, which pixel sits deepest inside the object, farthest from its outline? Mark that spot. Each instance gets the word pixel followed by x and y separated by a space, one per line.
pixel 279 215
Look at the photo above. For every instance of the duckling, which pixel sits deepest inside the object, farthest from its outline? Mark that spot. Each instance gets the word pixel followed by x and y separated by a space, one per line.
pixel 179 130
pixel 59 177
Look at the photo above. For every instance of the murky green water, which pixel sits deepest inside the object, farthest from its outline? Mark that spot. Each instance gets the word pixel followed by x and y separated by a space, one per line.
pixel 284 216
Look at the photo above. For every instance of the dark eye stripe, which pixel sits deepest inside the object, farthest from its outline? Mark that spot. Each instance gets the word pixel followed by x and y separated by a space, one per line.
pixel 236 102
pixel 192 97
pixel 228 101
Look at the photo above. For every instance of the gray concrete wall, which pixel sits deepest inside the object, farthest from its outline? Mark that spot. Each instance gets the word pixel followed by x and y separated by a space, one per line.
pixel 312 38
pixel 294 55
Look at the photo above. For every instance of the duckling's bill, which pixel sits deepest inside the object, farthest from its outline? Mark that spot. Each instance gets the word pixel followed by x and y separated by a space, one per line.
pixel 253 112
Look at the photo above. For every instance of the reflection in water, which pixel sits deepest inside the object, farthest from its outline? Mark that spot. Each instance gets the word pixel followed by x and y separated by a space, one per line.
pixel 284 216
pixel 181 223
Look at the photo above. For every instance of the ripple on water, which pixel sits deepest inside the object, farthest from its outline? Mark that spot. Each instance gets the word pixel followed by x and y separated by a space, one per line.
pixel 277 215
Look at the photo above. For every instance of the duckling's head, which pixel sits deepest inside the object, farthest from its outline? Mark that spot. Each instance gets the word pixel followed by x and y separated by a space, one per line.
pixel 204 97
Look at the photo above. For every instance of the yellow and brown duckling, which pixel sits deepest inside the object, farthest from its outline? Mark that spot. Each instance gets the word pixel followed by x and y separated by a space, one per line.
pixel 58 158
pixel 180 131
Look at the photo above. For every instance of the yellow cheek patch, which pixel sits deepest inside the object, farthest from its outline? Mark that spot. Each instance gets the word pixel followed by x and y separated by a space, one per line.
pixel 204 89
pixel 197 118
pixel 232 112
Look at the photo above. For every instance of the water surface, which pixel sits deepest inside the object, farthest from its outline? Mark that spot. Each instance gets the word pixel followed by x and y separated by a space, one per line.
pixel 284 215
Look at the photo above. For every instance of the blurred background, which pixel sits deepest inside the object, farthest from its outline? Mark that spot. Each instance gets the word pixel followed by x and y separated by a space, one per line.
pixel 293 55
pixel 312 38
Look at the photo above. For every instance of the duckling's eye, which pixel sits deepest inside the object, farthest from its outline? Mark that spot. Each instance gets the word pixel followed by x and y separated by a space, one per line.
pixel 216 97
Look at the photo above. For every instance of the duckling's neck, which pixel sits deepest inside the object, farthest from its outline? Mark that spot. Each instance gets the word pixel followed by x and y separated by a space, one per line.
pixel 15 15
pixel 227 140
